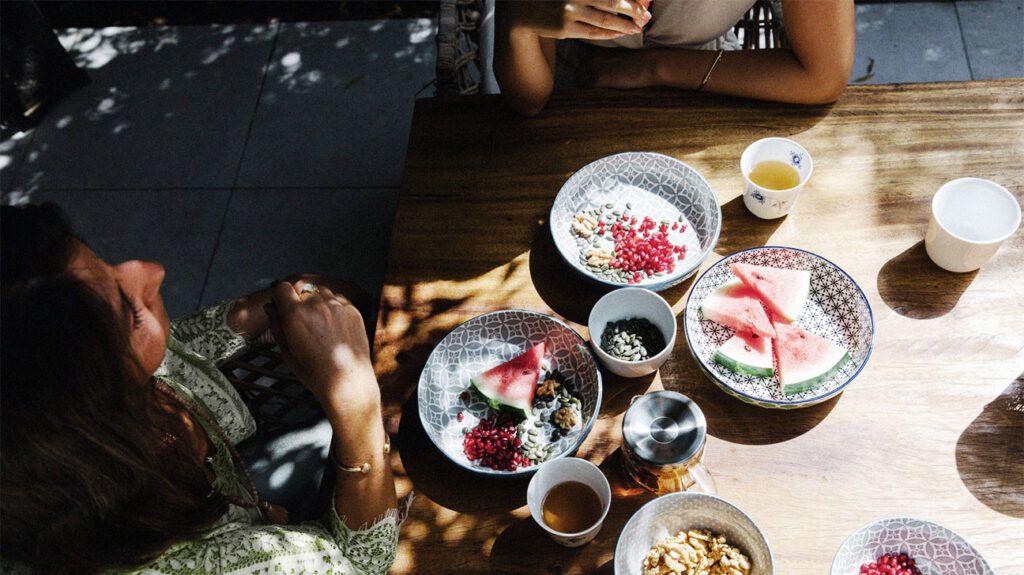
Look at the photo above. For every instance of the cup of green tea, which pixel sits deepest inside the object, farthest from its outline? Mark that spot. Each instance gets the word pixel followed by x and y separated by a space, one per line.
pixel 569 498
pixel 775 171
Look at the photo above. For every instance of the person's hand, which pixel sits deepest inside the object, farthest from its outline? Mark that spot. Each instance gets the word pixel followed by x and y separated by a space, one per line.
pixel 323 340
pixel 583 19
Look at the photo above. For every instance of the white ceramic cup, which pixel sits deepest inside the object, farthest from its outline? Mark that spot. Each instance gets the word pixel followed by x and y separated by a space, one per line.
pixel 561 470
pixel 626 303
pixel 770 204
pixel 971 218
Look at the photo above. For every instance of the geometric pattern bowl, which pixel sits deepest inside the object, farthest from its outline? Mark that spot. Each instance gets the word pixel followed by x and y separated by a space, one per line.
pixel 669 514
pixel 935 549
pixel 484 342
pixel 836 309
pixel 654 185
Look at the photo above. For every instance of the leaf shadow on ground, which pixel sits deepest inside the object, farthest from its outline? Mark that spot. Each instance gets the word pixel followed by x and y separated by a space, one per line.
pixel 913 286
pixel 990 452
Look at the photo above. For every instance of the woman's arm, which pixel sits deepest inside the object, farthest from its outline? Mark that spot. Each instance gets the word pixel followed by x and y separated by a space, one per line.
pixel 814 70
pixel 524 51
pixel 324 342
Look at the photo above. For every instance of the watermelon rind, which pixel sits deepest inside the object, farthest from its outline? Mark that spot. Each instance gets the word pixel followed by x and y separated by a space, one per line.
pixel 734 357
pixel 497 404
pixel 807 379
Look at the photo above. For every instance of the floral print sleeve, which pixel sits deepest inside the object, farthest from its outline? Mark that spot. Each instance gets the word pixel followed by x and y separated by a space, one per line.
pixel 327 547
pixel 206 333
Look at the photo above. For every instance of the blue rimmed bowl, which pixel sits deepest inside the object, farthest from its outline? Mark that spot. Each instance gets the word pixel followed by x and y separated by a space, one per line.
pixel 836 309
pixel 654 185
pixel 489 340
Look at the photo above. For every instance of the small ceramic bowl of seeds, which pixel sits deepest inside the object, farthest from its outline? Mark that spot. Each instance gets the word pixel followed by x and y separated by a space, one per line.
pixel 632 331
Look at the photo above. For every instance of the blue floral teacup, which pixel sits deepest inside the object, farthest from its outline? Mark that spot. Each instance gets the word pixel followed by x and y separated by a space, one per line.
pixel 769 203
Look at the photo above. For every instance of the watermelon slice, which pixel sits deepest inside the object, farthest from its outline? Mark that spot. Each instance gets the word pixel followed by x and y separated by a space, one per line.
pixel 805 360
pixel 784 291
pixel 511 385
pixel 747 354
pixel 735 305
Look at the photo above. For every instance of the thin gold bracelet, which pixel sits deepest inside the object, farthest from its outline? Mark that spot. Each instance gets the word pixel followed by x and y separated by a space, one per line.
pixel 707 76
pixel 365 467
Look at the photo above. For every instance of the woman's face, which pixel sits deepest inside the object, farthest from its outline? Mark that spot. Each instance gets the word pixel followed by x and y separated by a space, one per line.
pixel 133 290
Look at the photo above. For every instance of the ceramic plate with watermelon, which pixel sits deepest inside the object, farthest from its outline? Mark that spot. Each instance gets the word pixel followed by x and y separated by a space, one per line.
pixel 493 355
pixel 829 322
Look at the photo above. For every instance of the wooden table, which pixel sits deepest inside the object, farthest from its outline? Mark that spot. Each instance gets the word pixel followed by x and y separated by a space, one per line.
pixel 933 427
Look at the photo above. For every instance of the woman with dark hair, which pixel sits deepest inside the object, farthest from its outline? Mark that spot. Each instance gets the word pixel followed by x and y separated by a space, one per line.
pixel 118 431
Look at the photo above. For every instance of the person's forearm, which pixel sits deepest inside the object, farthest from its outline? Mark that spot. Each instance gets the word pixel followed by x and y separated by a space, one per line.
pixel 775 75
pixel 359 437
pixel 521 66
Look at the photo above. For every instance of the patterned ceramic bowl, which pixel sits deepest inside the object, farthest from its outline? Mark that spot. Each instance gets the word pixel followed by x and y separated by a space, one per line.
pixel 644 184
pixel 484 342
pixel 935 549
pixel 837 309
pixel 675 512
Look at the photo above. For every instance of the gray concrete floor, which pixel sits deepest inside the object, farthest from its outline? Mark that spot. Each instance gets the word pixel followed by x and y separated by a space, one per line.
pixel 240 154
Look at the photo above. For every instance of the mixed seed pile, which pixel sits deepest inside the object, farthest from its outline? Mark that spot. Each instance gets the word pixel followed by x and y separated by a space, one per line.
pixel 695 552
pixel 633 339
pixel 618 246
pixel 500 443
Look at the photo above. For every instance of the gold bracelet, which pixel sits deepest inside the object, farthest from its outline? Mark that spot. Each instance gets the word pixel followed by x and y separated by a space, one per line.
pixel 710 70
pixel 365 467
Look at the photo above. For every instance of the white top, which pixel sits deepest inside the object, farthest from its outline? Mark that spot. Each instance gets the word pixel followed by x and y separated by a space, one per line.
pixel 698 24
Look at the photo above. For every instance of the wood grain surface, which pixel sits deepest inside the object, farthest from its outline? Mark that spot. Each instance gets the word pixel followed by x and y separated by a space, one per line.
pixel 934 426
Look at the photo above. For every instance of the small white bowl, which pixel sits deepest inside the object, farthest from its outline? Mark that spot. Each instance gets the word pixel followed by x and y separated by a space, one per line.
pixel 626 303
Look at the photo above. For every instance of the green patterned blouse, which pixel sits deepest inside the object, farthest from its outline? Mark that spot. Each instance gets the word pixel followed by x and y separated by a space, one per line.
pixel 239 543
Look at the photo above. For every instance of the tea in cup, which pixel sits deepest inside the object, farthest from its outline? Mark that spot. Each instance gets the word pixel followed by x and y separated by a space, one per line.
pixel 569 498
pixel 775 171
pixel 971 218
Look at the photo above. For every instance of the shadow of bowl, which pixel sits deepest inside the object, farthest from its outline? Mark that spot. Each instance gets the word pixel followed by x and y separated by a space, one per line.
pixel 913 286
pixel 990 452
pixel 444 482
pixel 733 420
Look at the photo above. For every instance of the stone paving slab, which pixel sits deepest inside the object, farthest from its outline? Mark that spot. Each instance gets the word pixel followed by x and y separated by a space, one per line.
pixel 336 107
pixel 908 42
pixel 167 108
pixel 177 228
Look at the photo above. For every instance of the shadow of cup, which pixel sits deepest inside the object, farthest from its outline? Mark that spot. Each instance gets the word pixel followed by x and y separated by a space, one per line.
pixel 913 286
pixel 990 452
pixel 743 230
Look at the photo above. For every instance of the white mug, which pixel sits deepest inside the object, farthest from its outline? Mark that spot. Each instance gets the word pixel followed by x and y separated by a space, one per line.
pixel 971 218
pixel 770 204
pixel 559 471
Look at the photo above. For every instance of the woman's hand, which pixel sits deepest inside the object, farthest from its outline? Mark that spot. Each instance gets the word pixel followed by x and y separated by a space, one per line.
pixel 584 19
pixel 323 340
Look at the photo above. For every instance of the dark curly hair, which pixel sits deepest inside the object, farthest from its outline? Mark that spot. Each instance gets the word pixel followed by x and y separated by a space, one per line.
pixel 89 482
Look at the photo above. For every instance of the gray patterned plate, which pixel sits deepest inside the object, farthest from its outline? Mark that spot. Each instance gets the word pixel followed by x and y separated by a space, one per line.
pixel 836 310
pixel 669 514
pixel 654 185
pixel 489 340
pixel 934 549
